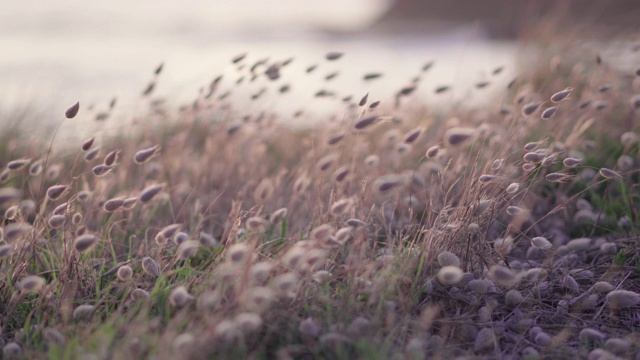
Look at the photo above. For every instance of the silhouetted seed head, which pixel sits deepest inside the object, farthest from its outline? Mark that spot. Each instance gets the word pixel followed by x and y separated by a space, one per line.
pixel 558 177
pixel 331 76
pixel 188 248
pixel 356 223
pixel 371 76
pixel 482 84
pixel 456 136
pixel 56 221
pixel 364 99
pixel 341 206
pixel 561 95
pixel 61 209
pixel 169 231
pixel 112 205
pixel 180 237
pixel 334 55
pixel 31 284
pixel 541 243
pixel 180 297
pixel 83 312
pixel 273 72
pixel 600 104
pixel 92 154
pixel 5 175
pixel 484 179
pixel 183 344
pixel 622 299
pixel 374 104
pixel 150 267
pixel 372 160
pixel 449 275
pixel 628 138
pixel 278 215
pixel 347 98
pixel 432 151
pixel 406 91
pixel 609 174
pixel 129 203
pixel 311 68
pixel 533 157
pixel 326 162
pixel 532 145
pixel 264 191
pixel 149 89
pixel 72 111
pixel 584 104
pixel 5 250
pixel 18 164
pixel 442 89
pixel 571 162
pixel 236 59
pixel 84 242
pixel 125 273
pixel 412 135
pixel 604 88
pixel 100 170
pixel 54 192
pixel 322 232
pixel 511 83
pixel 363 123
pixel 548 112
pixel 334 139
pixel 149 192
pixel 76 218
pixel 528 167
pixel 36 168
pixel 257 224
pixel 341 174
pixel 447 258
pixel 145 155
pixel 111 157
pixel 15 230
pixel 625 162
pixel 344 234
pixel 530 108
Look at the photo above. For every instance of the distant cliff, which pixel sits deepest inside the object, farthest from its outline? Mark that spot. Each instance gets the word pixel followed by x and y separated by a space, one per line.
pixel 509 18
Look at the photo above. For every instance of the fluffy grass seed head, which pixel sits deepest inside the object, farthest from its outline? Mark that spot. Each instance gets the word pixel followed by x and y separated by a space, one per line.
pixel 286 285
pixel 144 155
pixel 150 192
pixel 84 243
pixel 72 111
pixel 622 299
pixel 180 297
pixel 150 267
pixel 56 221
pixel 561 95
pixel 188 249
pixel 449 275
pixel 610 174
pixel 541 243
pixel 457 135
pixel 15 230
pixel 83 312
pixel 264 191
pixel 447 258
pixel 238 253
pixel 54 192
pixel 125 273
pixel 278 215
pixel 31 284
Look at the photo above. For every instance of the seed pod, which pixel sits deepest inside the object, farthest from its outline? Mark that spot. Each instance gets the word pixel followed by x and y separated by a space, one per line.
pixel 188 249
pixel 432 151
pixel 548 112
pixel 125 273
pixel 278 215
pixel 334 139
pixel 55 191
pixel 150 267
pixel 84 242
pixel 180 297
pixel 150 192
pixel 56 221
pixel 530 108
pixel 561 95
pixel 86 145
pixel 363 123
pixel 456 136
pixel 571 162
pixel 449 275
pixel 72 111
pixel 112 205
pixel 447 258
pixel 512 188
pixel 364 99
pixel 15 230
pixel 31 284
pixel 333 55
pixel 412 135
pixel 484 179
pixel 145 155
pixel 83 312
pixel 541 243
pixel 609 174
pixel 36 168
pixel 111 157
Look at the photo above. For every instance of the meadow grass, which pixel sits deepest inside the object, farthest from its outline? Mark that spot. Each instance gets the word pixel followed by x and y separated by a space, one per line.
pixel 399 231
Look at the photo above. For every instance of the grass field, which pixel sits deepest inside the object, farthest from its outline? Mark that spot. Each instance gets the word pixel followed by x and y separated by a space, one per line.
pixel 397 231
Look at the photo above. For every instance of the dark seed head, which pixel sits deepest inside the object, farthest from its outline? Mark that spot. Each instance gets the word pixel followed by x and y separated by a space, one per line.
pixel 72 111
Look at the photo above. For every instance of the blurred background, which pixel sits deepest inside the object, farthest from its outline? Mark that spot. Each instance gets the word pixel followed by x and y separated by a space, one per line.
pixel 58 52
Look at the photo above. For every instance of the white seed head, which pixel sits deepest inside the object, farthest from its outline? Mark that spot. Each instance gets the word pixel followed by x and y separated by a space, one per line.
pixel 125 273
pixel 447 258
pixel 180 297
pixel 450 275
pixel 622 299
pixel 31 284
pixel 541 243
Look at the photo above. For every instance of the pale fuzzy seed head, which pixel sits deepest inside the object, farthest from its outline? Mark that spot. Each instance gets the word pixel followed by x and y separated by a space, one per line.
pixel 548 112
pixel 321 276
pixel 366 122
pixel 485 340
pixel 260 272
pixel 503 275
pixel 341 174
pixel 534 157
pixel 571 162
pixel 344 234
pixel 84 195
pixel 609 174
pixel 9 194
pixel 413 135
pixel 53 336
pixel 541 243
pixel 31 284
pixel 180 297
pixel 35 168
pixel 479 286
pixel 140 294
pixel 129 203
pixel 54 192
pixel 484 179
pixel 603 287
pixel 341 206
pixel 208 300
pixel 18 164
pixel 12 212
pixel 84 242
pixel 432 152
pixel 625 162
pixel 561 95
pixel 314 259
pixel 372 160
pixel 512 188
pixel 92 154
pixel 11 350
pixel 513 298
pixel 264 191
pixel 5 250
pixel 456 136
pixel 258 299
pixel 568 282
pixel 549 160
pixel 300 185
pixel 528 167
pixel 309 328
pixel 83 312
pixel 514 210
pixel 257 224
pixel 15 230
pixel 248 322
pixel 293 257
pixel 628 138
pixel 558 177
pixel 387 183
pixel 449 275
pixel 183 343
pixel 150 267
pixel 226 331
pixel 188 249
pixel 278 215
pixel 160 239
pixel 207 240
pixel 447 258
pixel 497 164
pixel 180 237
pixel 150 192
pixel 112 205
pixel 125 273
pixel 170 230
pixel 238 253
pixel 322 232
pixel 622 299
pixel 286 284
pixel 101 170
